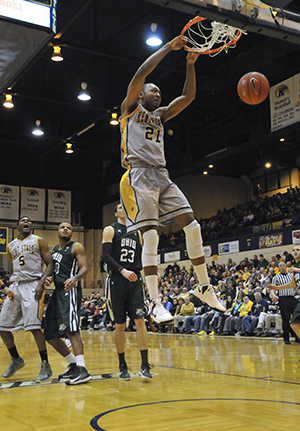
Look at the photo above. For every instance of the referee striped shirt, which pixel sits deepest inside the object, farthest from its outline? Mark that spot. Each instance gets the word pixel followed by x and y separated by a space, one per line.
pixel 281 279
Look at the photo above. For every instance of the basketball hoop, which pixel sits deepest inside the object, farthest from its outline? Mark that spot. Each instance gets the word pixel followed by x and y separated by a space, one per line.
pixel 219 34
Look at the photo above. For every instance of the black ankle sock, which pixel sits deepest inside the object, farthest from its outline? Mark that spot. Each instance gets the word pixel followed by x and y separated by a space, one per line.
pixel 44 355
pixel 14 353
pixel 122 358
pixel 144 355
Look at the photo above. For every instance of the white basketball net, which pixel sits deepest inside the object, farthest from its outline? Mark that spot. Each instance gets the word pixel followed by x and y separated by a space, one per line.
pixel 219 34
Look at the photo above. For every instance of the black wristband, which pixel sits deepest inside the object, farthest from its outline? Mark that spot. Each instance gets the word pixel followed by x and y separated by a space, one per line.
pixel 121 269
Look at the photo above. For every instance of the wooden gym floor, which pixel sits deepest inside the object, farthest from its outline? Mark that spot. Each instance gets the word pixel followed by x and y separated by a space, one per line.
pixel 199 383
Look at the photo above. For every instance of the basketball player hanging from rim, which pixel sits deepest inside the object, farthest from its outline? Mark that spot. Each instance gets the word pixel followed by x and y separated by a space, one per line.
pixel 148 196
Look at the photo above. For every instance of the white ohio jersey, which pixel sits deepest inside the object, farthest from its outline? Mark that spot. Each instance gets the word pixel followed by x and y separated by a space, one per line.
pixel 142 139
pixel 26 259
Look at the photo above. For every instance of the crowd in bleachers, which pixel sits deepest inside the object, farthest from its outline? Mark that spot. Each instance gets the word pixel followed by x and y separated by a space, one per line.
pixel 284 207
pixel 5 278
pixel 251 308
pixel 242 286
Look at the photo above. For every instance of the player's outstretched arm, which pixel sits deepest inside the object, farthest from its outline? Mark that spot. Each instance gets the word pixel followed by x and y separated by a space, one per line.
pixel 188 92
pixel 136 84
pixel 272 287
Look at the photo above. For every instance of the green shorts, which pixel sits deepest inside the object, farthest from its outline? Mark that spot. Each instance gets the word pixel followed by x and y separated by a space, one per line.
pixel 62 313
pixel 296 314
pixel 125 296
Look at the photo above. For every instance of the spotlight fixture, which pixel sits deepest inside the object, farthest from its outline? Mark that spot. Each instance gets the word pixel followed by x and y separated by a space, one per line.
pixel 56 56
pixel 8 103
pixel 282 139
pixel 37 131
pixel 153 38
pixel 114 119
pixel 205 173
pixel 210 166
pixel 83 95
pixel 69 149
pixel 268 165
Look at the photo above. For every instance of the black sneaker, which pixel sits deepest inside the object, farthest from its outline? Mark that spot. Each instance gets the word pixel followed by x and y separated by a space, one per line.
pixel 123 373
pixel 145 373
pixel 82 376
pixel 70 372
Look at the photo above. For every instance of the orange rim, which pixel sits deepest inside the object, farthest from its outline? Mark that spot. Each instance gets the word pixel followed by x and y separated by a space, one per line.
pixel 211 51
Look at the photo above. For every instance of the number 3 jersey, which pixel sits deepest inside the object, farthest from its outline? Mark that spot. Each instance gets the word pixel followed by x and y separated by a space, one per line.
pixel 65 264
pixel 142 143
pixel 26 257
pixel 127 249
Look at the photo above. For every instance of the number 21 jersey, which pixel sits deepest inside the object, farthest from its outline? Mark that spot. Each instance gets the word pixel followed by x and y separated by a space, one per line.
pixel 142 135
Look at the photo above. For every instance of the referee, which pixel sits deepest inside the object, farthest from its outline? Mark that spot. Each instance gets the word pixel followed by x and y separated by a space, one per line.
pixel 287 300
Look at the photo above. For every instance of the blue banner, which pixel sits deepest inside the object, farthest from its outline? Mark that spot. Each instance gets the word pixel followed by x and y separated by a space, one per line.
pixel 3 239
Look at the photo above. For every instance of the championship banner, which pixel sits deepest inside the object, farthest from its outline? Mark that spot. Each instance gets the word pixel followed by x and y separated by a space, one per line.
pixel 33 203
pixel 3 239
pixel 207 251
pixel 268 241
pixel 172 256
pixel 284 103
pixel 9 202
pixel 229 247
pixel 296 237
pixel 59 206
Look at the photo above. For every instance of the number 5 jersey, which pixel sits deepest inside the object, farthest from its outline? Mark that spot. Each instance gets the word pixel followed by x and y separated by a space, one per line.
pixel 26 259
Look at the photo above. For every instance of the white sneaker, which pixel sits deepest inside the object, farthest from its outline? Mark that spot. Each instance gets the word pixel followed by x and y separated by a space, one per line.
pixel 14 366
pixel 159 313
pixel 207 294
pixel 45 372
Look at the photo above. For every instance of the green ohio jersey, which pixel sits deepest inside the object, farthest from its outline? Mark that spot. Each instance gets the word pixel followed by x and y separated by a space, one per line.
pixel 297 274
pixel 65 264
pixel 127 249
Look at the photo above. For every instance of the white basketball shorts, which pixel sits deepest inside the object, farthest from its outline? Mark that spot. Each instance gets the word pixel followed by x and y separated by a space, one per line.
pixel 150 198
pixel 24 312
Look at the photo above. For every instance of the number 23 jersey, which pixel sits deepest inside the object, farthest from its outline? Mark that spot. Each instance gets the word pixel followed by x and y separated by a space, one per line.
pixel 127 249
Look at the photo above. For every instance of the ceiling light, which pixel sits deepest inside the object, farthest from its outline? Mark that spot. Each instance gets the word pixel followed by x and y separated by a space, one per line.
pixel 281 139
pixel 56 56
pixel 8 103
pixel 210 166
pixel 69 149
pixel 153 39
pixel 37 131
pixel 268 165
pixel 205 173
pixel 83 95
pixel 114 119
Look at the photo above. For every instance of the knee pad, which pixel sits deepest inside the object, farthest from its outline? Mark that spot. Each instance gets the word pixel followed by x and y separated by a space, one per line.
pixel 193 240
pixel 150 245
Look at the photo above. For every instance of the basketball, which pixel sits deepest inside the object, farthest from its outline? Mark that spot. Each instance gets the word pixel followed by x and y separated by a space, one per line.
pixel 253 88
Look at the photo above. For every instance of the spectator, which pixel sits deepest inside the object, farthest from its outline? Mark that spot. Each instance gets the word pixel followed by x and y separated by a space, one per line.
pixel 251 320
pixel 229 321
pixel 243 312
pixel 187 309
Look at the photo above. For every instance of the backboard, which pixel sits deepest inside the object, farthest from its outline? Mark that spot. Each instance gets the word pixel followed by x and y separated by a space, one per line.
pixel 275 18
